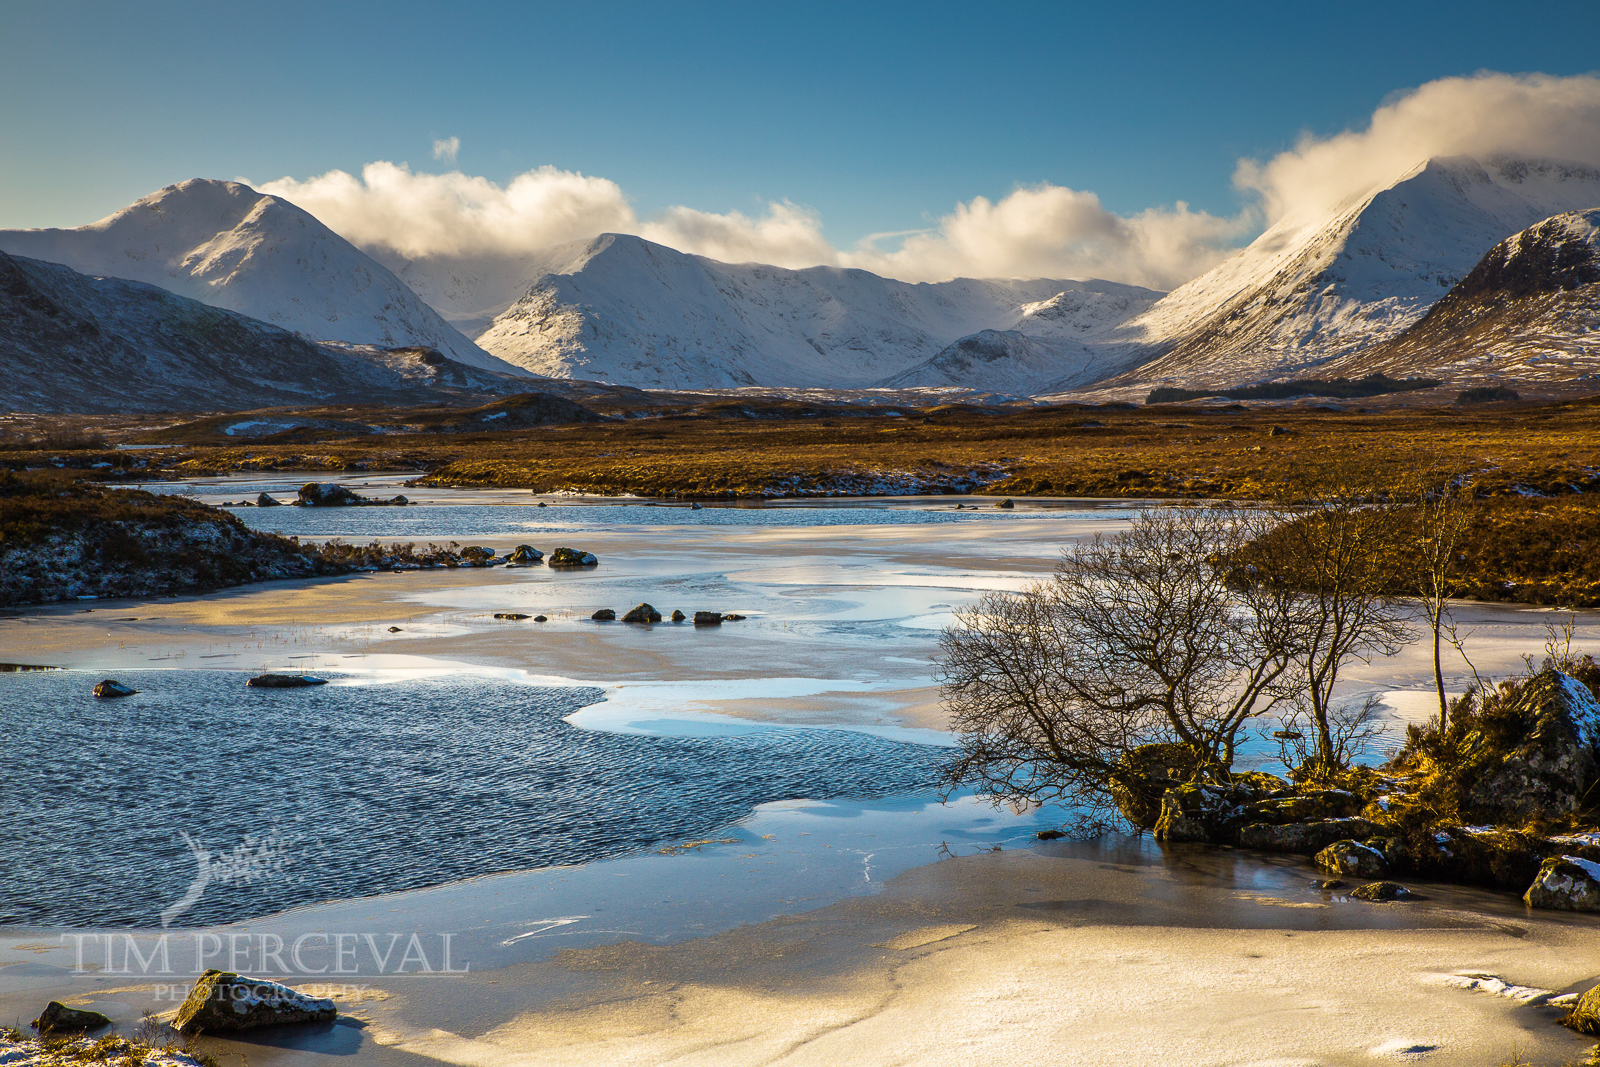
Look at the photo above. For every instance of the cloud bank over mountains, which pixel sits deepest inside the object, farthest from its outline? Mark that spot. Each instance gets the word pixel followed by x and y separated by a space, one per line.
pixel 1042 230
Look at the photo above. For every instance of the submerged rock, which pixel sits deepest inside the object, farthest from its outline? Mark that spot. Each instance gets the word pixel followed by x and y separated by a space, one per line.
pixel 111 689
pixel 572 557
pixel 284 681
pixel 1352 858
pixel 58 1018
pixel 1379 892
pixel 604 615
pixel 642 613
pixel 708 618
pixel 222 1001
pixel 1566 883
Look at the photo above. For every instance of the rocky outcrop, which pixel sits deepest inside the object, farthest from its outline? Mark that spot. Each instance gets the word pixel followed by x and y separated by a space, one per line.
pixel 1535 755
pixel 642 613
pixel 572 557
pixel 57 1018
pixel 110 689
pixel 1566 883
pixel 1352 858
pixel 284 681
pixel 1143 776
pixel 224 1002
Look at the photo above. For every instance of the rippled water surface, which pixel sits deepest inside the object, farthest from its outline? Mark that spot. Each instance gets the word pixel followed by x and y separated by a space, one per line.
pixel 357 788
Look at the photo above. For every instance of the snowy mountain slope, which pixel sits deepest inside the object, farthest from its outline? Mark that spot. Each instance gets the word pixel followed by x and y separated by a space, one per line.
pixel 622 309
pixel 1529 312
pixel 1309 290
pixel 225 244
pixel 70 342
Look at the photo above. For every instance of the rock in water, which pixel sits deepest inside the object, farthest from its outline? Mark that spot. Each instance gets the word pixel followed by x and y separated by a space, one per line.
pixel 604 615
pixel 265 501
pixel 1006 503
pixel 694 507
pixel 1143 777
pixel 284 681
pixel 111 688
pixel 540 618
pixel 572 557
pixel 526 556
pixel 514 616
pixel 326 495
pixel 394 629
pixel 708 618
pixel 222 1001
pixel 678 616
pixel 1379 892
pixel 1352 858
pixel 1567 883
pixel 57 1018
pixel 642 613
pixel 732 617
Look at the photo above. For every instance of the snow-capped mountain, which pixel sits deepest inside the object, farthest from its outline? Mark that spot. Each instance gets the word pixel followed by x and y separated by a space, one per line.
pixel 226 245
pixel 1312 289
pixel 71 342
pixel 1529 312
pixel 622 309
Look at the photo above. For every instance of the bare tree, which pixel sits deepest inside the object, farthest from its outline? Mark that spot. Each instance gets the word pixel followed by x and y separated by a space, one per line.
pixel 1338 556
pixel 1136 639
pixel 1441 512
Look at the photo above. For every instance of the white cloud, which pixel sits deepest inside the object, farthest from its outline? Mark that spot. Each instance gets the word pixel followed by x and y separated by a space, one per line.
pixel 447 149
pixel 1034 231
pixel 1483 115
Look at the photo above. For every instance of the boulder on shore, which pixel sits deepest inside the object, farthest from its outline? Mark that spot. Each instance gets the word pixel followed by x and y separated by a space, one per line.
pixel 284 681
pixel 604 615
pixel 222 1002
pixel 1352 858
pixel 572 557
pixel 57 1018
pixel 708 618
pixel 110 689
pixel 642 613
pixel 1566 883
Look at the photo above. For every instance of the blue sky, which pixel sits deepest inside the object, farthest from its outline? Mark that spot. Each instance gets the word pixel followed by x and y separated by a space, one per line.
pixel 876 117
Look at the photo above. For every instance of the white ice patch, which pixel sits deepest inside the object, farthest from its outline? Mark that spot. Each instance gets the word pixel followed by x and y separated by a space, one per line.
pixel 1499 987
pixel 1403 1049
pixel 1585 709
pixel 1590 867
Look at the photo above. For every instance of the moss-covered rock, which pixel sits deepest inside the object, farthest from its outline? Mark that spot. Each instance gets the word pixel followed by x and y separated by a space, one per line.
pixel 1585 1015
pixel 1488 856
pixel 1305 838
pixel 57 1018
pixel 1309 805
pixel 1143 777
pixel 223 1002
pixel 1202 811
pixel 1352 858
pixel 1566 883
pixel 1381 892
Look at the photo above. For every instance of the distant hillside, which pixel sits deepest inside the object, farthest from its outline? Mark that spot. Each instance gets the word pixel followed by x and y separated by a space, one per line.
pixel 70 342
pixel 224 244
pixel 1528 312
